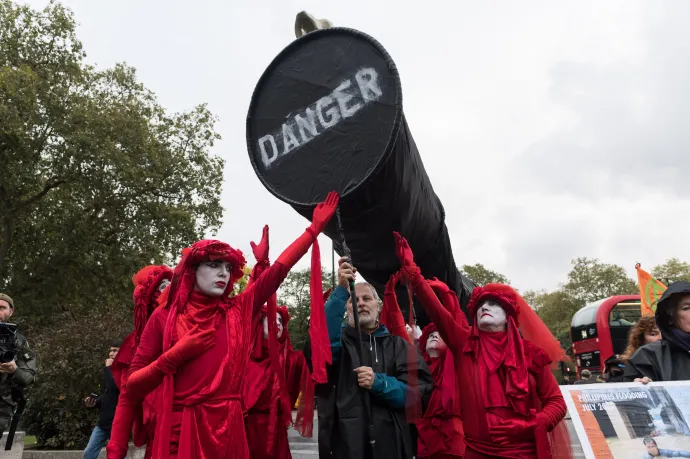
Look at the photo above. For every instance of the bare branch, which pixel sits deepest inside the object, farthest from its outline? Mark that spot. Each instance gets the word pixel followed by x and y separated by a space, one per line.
pixel 53 183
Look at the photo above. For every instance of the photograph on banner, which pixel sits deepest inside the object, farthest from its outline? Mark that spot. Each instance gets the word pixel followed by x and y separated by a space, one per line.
pixel 631 420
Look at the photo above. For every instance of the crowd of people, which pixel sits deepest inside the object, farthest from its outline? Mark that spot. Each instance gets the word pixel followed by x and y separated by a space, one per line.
pixel 209 375
pixel 205 374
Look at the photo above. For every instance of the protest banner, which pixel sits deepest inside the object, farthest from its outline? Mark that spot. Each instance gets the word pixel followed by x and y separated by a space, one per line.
pixel 631 420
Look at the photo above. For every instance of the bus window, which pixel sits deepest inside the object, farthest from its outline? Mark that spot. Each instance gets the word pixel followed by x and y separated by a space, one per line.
pixel 621 318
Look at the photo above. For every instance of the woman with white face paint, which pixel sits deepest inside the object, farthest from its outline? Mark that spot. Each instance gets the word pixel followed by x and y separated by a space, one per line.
pixel 197 347
pixel 506 386
pixel 440 432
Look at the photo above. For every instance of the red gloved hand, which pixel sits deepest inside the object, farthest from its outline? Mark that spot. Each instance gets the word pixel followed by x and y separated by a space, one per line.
pixel 406 257
pixel 438 286
pixel 261 250
pixel 190 346
pixel 515 430
pixel 393 282
pixel 324 212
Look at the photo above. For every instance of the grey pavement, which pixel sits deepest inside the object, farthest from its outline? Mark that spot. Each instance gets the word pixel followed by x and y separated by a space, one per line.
pixel 307 448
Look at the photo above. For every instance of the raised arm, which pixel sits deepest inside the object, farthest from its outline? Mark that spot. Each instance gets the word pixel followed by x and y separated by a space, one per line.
pixel 260 252
pixel 449 299
pixel 391 316
pixel 269 282
pixel 452 333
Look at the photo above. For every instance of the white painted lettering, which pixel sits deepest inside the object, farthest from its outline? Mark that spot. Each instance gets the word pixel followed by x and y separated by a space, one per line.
pixel 368 84
pixel 343 99
pixel 307 124
pixel 289 139
pixel 264 154
pixel 333 115
pixel 343 102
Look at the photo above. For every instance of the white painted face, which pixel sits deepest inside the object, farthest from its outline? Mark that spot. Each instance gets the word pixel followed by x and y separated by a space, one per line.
pixel 491 317
pixel 279 326
pixel 435 344
pixel 164 283
pixel 212 277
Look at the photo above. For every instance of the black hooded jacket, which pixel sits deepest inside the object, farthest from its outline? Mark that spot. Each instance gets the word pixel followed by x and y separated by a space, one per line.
pixel 665 360
pixel 342 420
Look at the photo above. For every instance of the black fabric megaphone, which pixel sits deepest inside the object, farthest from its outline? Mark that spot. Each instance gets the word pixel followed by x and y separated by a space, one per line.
pixel 327 115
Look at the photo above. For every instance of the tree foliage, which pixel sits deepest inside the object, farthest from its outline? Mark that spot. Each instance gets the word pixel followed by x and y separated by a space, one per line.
pixel 294 293
pixel 98 180
pixel 673 270
pixel 590 280
pixel 482 276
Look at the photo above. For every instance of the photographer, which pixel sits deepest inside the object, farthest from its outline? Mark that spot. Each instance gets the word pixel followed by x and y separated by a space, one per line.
pixel 19 367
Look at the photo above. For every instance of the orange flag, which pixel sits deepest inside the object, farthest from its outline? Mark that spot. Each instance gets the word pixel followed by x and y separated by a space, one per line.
pixel 650 291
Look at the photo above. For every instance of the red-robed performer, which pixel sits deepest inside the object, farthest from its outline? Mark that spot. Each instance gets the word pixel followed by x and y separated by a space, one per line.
pixel 509 399
pixel 197 347
pixel 273 380
pixel 269 395
pixel 149 283
pixel 439 431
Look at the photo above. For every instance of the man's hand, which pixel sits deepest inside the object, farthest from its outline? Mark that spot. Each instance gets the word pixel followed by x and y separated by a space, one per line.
pixel 365 377
pixel 9 367
pixel 108 362
pixel 644 380
pixel 346 273
pixel 90 402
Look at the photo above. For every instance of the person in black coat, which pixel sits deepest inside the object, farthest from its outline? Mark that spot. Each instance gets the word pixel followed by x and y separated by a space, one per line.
pixel 668 359
pixel 383 373
pixel 106 403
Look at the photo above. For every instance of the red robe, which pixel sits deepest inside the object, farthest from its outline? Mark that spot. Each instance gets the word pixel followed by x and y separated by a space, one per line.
pixel 544 396
pixel 261 392
pixel 207 420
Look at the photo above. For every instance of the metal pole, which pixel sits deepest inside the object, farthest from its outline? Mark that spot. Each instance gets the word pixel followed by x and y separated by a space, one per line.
pixel 332 263
pixel 355 316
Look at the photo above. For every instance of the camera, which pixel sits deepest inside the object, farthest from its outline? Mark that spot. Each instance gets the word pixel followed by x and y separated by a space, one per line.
pixel 7 337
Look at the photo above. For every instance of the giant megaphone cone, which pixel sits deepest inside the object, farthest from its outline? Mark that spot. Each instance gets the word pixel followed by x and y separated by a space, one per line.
pixel 327 115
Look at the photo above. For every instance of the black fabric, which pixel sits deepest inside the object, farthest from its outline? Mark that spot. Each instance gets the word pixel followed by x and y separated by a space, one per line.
pixel 107 402
pixel 342 423
pixel 665 360
pixel 370 158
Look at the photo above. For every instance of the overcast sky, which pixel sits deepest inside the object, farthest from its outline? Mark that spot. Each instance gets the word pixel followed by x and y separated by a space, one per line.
pixel 550 130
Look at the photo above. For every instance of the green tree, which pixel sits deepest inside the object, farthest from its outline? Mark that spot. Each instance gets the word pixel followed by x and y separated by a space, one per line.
pixel 591 280
pixel 98 180
pixel 294 293
pixel 482 276
pixel 673 270
pixel 556 309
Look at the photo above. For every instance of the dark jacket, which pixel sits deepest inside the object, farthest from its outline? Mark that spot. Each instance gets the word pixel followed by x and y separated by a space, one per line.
pixel 107 402
pixel 26 370
pixel 585 381
pixel 665 360
pixel 342 420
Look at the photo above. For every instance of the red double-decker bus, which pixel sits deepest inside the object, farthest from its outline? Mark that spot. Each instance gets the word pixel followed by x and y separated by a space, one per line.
pixel 600 330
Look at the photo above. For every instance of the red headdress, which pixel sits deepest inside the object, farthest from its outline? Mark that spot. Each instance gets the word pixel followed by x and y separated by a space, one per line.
pixel 530 325
pixel 146 291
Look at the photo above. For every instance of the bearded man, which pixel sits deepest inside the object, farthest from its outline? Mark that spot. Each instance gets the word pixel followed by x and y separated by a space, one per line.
pixel 383 373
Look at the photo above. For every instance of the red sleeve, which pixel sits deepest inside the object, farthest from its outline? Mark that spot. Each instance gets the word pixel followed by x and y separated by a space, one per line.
pixel 392 317
pixel 256 295
pixel 122 426
pixel 144 376
pixel 452 332
pixel 450 301
pixel 553 406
